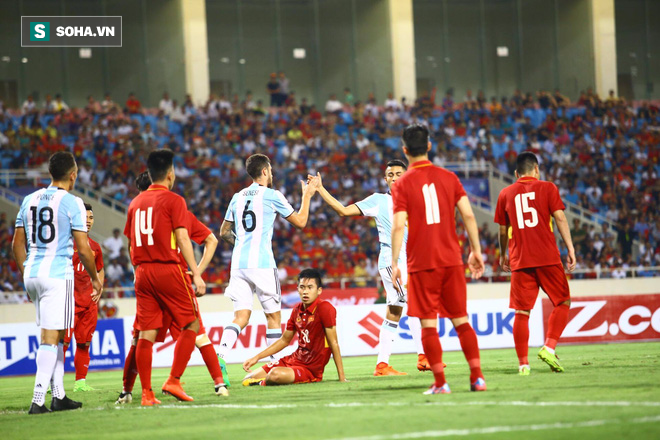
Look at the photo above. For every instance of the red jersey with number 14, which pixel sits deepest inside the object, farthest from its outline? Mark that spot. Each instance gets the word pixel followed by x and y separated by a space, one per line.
pixel 82 283
pixel 526 208
pixel 151 220
pixel 429 195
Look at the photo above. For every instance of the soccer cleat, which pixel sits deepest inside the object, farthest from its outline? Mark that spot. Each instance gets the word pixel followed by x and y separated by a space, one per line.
pixel 478 385
pixel 251 381
pixel 124 397
pixel 148 398
pixel 81 385
pixel 221 390
pixel 383 369
pixel 551 359
pixel 172 387
pixel 223 368
pixel 64 404
pixel 38 409
pixel 438 390
pixel 423 363
pixel 524 370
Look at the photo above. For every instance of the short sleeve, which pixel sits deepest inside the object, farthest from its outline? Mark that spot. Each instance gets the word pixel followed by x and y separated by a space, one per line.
pixel 554 199
pixel 459 190
pixel 197 230
pixel 178 212
pixel 129 225
pixel 368 206
pixel 281 204
pixel 328 314
pixel 291 323
pixel 98 258
pixel 500 210
pixel 399 201
pixel 77 214
pixel 229 216
pixel 19 217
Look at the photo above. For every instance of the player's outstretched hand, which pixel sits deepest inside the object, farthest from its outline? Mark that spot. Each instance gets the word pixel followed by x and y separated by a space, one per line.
pixel 476 265
pixel 571 261
pixel 504 263
pixel 249 363
pixel 200 286
pixel 97 290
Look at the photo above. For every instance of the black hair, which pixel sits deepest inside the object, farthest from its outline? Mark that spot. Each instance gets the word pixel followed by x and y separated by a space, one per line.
pixel 397 163
pixel 311 274
pixel 88 207
pixel 60 164
pixel 526 162
pixel 255 163
pixel 143 181
pixel 416 138
pixel 159 163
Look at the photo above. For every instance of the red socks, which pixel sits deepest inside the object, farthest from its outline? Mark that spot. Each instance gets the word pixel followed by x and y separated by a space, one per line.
pixel 81 361
pixel 211 361
pixel 556 324
pixel 468 339
pixel 130 370
pixel 433 351
pixel 182 351
pixel 521 337
pixel 143 357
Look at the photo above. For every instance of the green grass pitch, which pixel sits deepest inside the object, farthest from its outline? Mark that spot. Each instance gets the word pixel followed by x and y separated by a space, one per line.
pixel 607 391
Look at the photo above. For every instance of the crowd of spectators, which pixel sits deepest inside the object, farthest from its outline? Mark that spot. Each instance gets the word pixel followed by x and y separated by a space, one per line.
pixel 602 154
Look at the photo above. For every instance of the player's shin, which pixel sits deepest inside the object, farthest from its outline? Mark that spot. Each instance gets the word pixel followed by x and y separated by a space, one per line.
pixel 229 337
pixel 556 324
pixel 130 370
pixel 521 337
pixel 416 332
pixel 470 346
pixel 46 360
pixel 386 340
pixel 211 361
pixel 57 382
pixel 182 351
pixel 81 361
pixel 143 357
pixel 433 350
pixel 272 335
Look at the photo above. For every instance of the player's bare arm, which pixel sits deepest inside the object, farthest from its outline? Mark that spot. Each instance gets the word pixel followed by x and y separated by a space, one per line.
pixel 398 230
pixel 18 247
pixel 299 219
pixel 183 241
pixel 504 245
pixel 96 296
pixel 331 337
pixel 336 205
pixel 87 259
pixel 227 232
pixel 565 232
pixel 210 244
pixel 276 347
pixel 475 260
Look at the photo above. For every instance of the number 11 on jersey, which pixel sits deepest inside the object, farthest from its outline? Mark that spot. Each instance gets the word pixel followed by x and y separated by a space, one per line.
pixel 143 226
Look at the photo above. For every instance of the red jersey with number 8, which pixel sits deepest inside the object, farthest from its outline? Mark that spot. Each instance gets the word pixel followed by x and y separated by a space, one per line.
pixel 151 220
pixel 526 209
pixel 429 195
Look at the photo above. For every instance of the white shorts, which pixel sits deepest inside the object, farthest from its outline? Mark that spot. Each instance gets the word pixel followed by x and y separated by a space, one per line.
pixel 243 283
pixel 54 301
pixel 398 296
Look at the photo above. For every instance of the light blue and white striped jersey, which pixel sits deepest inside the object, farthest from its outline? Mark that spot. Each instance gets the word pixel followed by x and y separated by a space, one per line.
pixel 48 217
pixel 253 211
pixel 379 206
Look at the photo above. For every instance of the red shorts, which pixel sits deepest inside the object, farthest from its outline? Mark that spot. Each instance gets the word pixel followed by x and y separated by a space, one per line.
pixel 301 372
pixel 84 325
pixel 525 285
pixel 163 288
pixel 174 330
pixel 437 292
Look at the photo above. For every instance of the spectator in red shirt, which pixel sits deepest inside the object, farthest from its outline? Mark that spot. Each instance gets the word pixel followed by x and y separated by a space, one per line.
pixel 133 105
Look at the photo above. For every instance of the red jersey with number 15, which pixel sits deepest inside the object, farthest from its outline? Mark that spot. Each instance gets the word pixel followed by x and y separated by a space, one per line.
pixel 429 195
pixel 526 208
pixel 151 220
pixel 197 232
pixel 82 283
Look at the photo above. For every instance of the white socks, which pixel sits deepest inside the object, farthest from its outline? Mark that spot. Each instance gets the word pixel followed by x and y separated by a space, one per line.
pixel 272 335
pixel 386 340
pixel 415 326
pixel 229 337
pixel 46 360
pixel 57 381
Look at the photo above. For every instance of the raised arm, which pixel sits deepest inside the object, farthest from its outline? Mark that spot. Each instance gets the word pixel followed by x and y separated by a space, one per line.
pixel 565 232
pixel 275 347
pixel 331 337
pixel 475 260
pixel 343 211
pixel 299 219
pixel 183 241
pixel 227 232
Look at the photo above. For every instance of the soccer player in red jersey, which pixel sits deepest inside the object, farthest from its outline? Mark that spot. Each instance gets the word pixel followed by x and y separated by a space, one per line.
pixel 524 212
pixel 156 227
pixel 314 320
pixel 426 197
pixel 86 307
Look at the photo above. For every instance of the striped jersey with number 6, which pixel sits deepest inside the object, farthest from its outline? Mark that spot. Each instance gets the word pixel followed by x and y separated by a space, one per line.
pixel 253 211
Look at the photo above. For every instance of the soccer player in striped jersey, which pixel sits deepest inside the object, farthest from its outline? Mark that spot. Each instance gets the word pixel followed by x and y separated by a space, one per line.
pixel 248 225
pixel 49 221
pixel 379 206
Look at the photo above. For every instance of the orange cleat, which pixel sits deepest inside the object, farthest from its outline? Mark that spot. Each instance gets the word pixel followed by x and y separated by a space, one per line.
pixel 148 398
pixel 172 387
pixel 423 363
pixel 383 369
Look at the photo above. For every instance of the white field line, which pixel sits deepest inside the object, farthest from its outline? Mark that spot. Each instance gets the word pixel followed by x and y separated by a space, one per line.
pixel 510 428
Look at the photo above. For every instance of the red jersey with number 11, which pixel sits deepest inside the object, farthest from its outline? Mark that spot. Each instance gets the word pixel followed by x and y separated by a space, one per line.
pixel 429 195
pixel 526 208
pixel 151 220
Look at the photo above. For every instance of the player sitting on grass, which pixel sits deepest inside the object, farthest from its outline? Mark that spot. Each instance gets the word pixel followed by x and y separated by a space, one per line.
pixel 314 320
